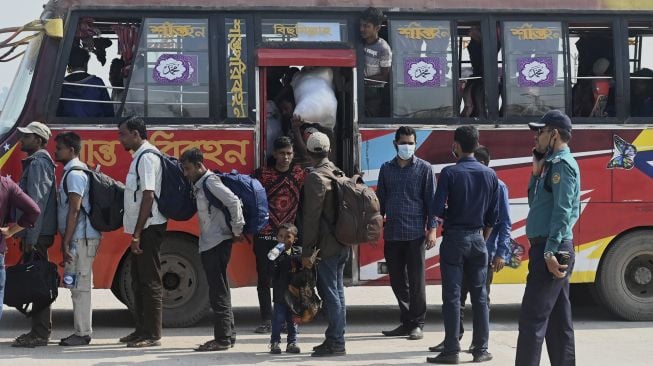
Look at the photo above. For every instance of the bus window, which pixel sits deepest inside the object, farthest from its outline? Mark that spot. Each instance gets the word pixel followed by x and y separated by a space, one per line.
pixel 379 62
pixel 592 69
pixel 470 90
pixel 170 76
pixel 640 47
pixel 421 69
pixel 533 68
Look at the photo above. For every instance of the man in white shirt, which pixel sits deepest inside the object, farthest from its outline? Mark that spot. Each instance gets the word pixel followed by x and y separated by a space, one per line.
pixel 143 221
pixel 216 238
pixel 80 240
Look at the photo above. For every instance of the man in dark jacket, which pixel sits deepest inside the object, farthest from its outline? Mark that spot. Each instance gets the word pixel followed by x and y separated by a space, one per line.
pixel 319 218
pixel 78 100
pixel 39 183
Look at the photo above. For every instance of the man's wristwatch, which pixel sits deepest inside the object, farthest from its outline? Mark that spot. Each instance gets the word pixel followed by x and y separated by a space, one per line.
pixel 548 255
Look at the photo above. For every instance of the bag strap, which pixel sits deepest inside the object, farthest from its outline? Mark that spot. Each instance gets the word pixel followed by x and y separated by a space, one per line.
pixel 64 181
pixel 215 201
pixel 138 176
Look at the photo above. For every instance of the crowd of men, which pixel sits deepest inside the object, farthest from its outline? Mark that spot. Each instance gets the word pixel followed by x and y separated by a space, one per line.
pixel 468 202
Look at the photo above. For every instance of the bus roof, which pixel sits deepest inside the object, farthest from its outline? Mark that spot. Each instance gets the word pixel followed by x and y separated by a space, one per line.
pixel 62 6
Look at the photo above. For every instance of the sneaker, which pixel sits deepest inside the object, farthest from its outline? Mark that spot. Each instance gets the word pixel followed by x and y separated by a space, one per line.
pixel 131 337
pixel 293 348
pixel 75 340
pixel 144 342
pixel 265 327
pixel 22 337
pixel 329 351
pixel 275 349
pixel 30 341
pixel 214 345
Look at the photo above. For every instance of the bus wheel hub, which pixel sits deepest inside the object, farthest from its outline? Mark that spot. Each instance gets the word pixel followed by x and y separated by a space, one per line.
pixel 643 276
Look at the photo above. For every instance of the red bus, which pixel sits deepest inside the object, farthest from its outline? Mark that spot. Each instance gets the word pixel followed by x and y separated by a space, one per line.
pixel 490 64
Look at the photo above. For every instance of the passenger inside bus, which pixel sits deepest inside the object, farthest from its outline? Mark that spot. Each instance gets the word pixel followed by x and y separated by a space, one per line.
pixel 641 93
pixel 378 64
pixel 591 94
pixel 473 93
pixel 83 94
pixel 117 81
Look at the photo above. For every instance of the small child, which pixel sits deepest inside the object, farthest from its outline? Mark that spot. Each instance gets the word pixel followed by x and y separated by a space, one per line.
pixel 287 263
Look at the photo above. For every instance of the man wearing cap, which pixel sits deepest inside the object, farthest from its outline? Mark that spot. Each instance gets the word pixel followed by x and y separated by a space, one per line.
pixel 319 219
pixel 39 183
pixel 554 201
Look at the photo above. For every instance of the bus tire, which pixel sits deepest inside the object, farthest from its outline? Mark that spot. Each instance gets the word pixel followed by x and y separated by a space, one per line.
pixel 625 278
pixel 185 289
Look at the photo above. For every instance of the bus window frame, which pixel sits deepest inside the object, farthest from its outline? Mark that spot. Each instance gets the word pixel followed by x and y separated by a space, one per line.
pixel 620 114
pixel 217 101
pixel 628 119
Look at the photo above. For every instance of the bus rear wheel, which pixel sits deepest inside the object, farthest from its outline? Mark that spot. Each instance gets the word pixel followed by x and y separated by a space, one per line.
pixel 625 279
pixel 185 290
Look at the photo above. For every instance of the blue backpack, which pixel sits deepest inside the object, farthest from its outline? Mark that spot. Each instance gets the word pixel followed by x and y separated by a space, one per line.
pixel 251 194
pixel 178 202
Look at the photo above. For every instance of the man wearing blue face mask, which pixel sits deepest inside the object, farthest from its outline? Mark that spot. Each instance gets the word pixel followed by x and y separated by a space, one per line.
pixel 406 191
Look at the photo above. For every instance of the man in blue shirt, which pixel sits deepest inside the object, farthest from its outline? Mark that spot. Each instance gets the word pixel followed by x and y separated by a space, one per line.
pixel 470 191
pixel 554 202
pixel 406 191
pixel 498 245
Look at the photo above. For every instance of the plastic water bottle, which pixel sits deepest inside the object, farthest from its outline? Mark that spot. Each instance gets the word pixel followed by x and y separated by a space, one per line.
pixel 276 251
pixel 69 275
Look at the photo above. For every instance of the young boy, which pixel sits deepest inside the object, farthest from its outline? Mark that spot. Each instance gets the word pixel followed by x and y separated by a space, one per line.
pixel 285 265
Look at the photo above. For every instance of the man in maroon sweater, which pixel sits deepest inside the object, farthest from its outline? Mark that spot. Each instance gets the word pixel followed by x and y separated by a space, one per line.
pixel 11 198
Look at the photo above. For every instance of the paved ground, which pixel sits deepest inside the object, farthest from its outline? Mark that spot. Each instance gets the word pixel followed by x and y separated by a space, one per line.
pixel 601 339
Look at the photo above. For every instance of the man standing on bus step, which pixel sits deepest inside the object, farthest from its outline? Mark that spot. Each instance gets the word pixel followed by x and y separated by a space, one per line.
pixel 147 226
pixel 467 200
pixel 498 245
pixel 216 238
pixel 38 182
pixel 406 192
pixel 319 219
pixel 283 183
pixel 13 198
pixel 378 63
pixel 80 240
pixel 554 201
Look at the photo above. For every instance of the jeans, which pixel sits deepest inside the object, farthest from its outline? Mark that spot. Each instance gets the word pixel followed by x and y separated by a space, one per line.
pixel 546 312
pixel 463 253
pixel 264 275
pixel 331 287
pixel 215 261
pixel 147 283
pixel 465 291
pixel 282 314
pixel 3 277
pixel 405 261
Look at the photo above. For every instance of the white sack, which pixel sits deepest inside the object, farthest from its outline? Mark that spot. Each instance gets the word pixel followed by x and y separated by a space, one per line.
pixel 272 125
pixel 314 96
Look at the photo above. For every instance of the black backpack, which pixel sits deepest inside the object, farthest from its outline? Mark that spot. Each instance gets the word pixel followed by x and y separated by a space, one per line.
pixel 106 199
pixel 177 191
pixel 32 282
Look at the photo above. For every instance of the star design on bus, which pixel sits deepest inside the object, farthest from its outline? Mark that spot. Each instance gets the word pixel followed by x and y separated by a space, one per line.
pixel 7 147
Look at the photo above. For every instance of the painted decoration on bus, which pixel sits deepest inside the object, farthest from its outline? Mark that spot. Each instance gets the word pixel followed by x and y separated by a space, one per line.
pixel 290 30
pixel 423 71
pixel 623 155
pixel 618 190
pixel 237 70
pixel 173 30
pixel 175 69
pixel 535 71
pixel 528 32
pixel 415 31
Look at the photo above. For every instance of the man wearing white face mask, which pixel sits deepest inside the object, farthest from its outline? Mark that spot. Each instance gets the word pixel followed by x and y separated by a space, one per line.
pixel 406 191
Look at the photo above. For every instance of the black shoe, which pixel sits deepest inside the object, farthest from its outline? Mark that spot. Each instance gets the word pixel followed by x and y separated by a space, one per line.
pixel 293 348
pixel 275 349
pixel 212 346
pixel 75 340
pixel 399 331
pixel 439 348
pixel 482 356
pixel 450 359
pixel 131 337
pixel 144 342
pixel 266 327
pixel 416 334
pixel 329 351
pixel 30 341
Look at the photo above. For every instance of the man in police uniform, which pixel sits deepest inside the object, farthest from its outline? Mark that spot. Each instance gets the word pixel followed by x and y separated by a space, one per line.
pixel 554 201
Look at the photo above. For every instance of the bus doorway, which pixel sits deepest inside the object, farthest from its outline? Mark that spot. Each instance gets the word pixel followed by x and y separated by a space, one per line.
pixel 276 68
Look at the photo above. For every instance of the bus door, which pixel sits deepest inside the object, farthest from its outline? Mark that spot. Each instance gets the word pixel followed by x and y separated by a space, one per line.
pixel 275 68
